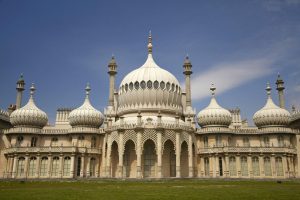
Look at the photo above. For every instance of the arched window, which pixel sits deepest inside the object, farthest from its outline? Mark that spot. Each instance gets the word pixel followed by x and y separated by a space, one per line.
pixel 162 85
pixel 136 85
pixel 81 137
pixel 206 166
pixel 280 141
pixel 149 84
pixel 246 142
pixel 55 167
pixel 266 141
pixel 267 166
pixel 21 167
pixel 54 141
pixel 255 166
pixel 93 142
pixel 244 166
pixel 232 166
pixel 168 86
pixel 279 166
pixel 143 85
pixel 123 89
pixel 230 141
pixel 92 167
pixel 67 166
pixel 33 141
pixel 205 139
pixel 126 87
pixel 176 89
pixel 130 86
pixel 173 87
pixel 32 166
pixel 156 85
pixel 44 167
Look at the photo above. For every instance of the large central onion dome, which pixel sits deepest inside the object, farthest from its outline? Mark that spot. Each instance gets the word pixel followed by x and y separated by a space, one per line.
pixel 86 115
pixel 214 115
pixel 271 114
pixel 29 115
pixel 150 88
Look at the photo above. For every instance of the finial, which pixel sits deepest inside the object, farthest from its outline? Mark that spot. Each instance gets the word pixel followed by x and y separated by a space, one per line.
pixel 268 89
pixel 32 89
pixel 150 43
pixel 212 89
pixel 87 90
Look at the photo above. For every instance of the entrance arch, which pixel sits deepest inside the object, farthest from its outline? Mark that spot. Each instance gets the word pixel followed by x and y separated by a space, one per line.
pixel 114 159
pixel 129 159
pixel 184 160
pixel 169 160
pixel 149 159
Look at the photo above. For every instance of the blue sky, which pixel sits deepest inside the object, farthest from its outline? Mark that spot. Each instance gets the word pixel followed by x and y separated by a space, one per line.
pixel 60 45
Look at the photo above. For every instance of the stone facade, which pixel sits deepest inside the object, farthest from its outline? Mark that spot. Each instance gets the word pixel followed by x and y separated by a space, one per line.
pixel 148 130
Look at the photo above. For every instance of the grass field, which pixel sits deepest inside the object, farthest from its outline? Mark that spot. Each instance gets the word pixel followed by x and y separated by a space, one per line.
pixel 154 189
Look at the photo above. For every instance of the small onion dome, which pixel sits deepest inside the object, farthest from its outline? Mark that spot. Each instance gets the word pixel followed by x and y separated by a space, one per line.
pixel 86 115
pixel 29 115
pixel 214 114
pixel 271 114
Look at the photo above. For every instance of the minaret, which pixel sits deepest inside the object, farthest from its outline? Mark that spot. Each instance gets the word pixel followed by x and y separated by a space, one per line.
pixel 20 89
pixel 187 66
pixel 149 43
pixel 112 71
pixel 280 88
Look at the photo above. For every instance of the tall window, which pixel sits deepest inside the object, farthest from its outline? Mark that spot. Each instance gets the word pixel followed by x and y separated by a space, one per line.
pixel 80 140
pixel 206 166
pixel 266 141
pixel 67 166
pixel 230 141
pixel 267 166
pixel 19 140
pixel 205 141
pixel 279 166
pixel 246 142
pixel 255 166
pixel 54 141
pixel 21 167
pixel 93 142
pixel 218 140
pixel 244 166
pixel 232 166
pixel 55 166
pixel 33 141
pixel 44 166
pixel 92 166
pixel 32 166
pixel 280 141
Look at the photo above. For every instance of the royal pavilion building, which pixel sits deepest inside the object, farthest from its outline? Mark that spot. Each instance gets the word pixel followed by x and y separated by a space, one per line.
pixel 149 130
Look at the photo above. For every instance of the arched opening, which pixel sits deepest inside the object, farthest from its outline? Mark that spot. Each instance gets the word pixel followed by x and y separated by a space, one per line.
pixel 55 167
pixel 255 166
pixel 67 166
pixel 44 167
pixel 149 159
pixel 232 166
pixel 184 160
pixel 93 167
pixel 267 166
pixel 206 166
pixel 32 167
pixel 244 166
pixel 279 166
pixel 114 159
pixel 21 167
pixel 129 159
pixel 169 160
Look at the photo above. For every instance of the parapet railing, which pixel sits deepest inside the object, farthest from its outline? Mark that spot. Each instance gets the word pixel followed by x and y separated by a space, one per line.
pixel 52 149
pixel 260 150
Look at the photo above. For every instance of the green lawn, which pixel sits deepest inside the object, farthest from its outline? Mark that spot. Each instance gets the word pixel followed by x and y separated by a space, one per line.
pixel 154 189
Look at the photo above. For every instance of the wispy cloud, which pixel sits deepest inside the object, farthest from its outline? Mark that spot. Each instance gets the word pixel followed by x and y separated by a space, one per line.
pixel 278 5
pixel 229 75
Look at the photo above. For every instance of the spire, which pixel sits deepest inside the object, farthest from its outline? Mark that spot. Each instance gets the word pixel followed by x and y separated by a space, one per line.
pixel 280 89
pixel 87 91
pixel 268 89
pixel 212 89
pixel 20 88
pixel 32 90
pixel 187 66
pixel 150 43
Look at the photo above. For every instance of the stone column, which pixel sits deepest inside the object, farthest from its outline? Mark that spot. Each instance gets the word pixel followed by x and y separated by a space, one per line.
pixel 72 171
pixel 274 174
pixel 139 155
pixel 15 162
pixel 61 163
pixel 49 165
pixel 104 152
pixel 217 169
pixel 238 165
pixel 121 153
pixel 82 166
pixel 108 158
pixel 159 154
pixel 38 162
pixel 178 150
pixel 227 165
pixel 284 165
pixel 88 164
pixel 250 170
pixel 261 165
pixel 211 166
pixel 26 165
pixel 190 151
pixel 202 173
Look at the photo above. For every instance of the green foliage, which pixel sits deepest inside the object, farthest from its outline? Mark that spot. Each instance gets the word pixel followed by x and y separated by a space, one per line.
pixel 150 189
